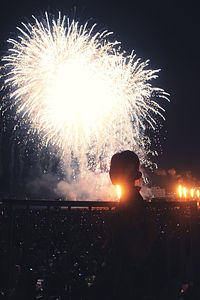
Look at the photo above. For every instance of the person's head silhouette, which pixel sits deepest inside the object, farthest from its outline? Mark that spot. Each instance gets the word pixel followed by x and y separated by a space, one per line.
pixel 124 170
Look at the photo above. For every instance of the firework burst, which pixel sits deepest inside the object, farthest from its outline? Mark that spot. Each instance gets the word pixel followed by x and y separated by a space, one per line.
pixel 79 91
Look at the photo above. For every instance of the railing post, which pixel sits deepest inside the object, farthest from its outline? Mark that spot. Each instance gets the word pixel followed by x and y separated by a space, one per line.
pixel 10 243
pixel 195 242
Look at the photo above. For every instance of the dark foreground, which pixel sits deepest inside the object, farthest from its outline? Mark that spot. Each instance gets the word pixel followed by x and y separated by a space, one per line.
pixel 61 253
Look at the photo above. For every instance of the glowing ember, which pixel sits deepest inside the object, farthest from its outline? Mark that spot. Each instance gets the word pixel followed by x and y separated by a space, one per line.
pixel 81 92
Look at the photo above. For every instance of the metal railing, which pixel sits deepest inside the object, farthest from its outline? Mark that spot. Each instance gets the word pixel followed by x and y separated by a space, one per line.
pixel 185 215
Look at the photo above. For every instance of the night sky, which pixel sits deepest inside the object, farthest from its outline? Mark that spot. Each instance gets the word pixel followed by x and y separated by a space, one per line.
pixel 164 32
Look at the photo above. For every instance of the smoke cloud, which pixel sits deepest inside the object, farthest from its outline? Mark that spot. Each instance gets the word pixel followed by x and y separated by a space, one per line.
pixel 170 178
pixel 89 187
pixel 43 186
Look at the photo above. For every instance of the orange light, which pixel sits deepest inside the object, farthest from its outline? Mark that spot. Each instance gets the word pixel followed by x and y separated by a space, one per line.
pixel 185 192
pixel 180 191
pixel 118 191
pixel 198 204
pixel 192 193
pixel 198 193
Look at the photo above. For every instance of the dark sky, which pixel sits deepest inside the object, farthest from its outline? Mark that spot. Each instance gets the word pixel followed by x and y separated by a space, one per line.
pixel 166 33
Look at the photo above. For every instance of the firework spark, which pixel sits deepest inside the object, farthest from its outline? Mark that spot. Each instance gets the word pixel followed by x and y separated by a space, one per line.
pixel 80 91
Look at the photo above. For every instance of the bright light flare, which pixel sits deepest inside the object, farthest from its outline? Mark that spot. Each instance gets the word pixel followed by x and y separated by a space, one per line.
pixel 190 194
pixel 80 91
pixel 185 192
pixel 180 191
pixel 119 192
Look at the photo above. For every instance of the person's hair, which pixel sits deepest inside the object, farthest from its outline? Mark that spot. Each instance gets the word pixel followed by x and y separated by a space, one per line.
pixel 124 166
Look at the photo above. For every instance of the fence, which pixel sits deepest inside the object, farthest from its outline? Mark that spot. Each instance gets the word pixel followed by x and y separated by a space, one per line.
pixel 177 225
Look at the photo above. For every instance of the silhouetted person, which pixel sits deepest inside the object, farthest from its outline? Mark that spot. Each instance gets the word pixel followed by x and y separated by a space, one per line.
pixel 132 235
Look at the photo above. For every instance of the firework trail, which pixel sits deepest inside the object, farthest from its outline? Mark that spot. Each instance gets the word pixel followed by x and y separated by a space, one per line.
pixel 79 91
